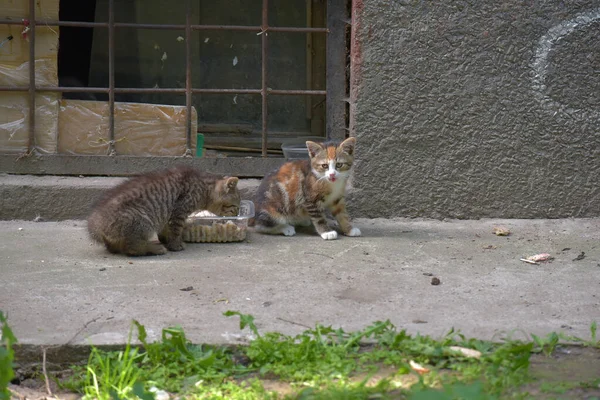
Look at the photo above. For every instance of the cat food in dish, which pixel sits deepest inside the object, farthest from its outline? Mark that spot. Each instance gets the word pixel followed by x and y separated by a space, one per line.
pixel 205 227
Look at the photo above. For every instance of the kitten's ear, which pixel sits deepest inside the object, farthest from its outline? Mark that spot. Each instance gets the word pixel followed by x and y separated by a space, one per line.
pixel 313 148
pixel 231 183
pixel 348 145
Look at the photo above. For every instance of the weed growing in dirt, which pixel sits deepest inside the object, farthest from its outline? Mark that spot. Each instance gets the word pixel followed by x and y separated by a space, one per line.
pixel 7 339
pixel 594 340
pixel 114 375
pixel 545 345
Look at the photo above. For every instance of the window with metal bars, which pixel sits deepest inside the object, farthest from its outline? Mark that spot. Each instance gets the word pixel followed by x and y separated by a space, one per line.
pixel 257 73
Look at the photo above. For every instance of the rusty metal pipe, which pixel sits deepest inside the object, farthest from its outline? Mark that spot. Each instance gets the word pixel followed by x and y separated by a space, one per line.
pixel 14 89
pixel 111 78
pixel 69 89
pixel 77 24
pixel 188 77
pixel 297 29
pixel 82 89
pixel 31 33
pixel 227 91
pixel 264 88
pixel 298 92
pixel 196 27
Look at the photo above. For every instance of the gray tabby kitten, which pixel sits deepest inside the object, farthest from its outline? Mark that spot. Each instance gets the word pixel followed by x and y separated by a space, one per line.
pixel 128 215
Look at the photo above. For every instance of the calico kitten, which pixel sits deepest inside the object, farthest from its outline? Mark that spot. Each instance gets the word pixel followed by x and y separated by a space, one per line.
pixel 299 192
pixel 128 215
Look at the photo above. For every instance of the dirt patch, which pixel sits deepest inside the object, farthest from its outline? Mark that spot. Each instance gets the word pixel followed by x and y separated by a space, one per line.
pixel 571 372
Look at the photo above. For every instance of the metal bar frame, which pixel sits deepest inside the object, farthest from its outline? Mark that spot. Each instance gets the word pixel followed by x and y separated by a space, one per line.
pixel 74 89
pixel 111 78
pixel 194 27
pixel 264 43
pixel 334 91
pixel 188 77
pixel 335 80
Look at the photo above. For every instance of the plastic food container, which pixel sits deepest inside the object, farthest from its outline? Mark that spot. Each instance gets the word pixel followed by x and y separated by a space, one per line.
pixel 215 229
pixel 294 151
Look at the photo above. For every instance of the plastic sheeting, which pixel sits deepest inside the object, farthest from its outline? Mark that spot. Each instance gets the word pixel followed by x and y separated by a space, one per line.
pixel 44 9
pixel 14 56
pixel 140 129
pixel 14 71
pixel 14 122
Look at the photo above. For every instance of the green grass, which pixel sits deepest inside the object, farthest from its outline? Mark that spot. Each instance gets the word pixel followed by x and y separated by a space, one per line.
pixel 114 375
pixel 320 363
pixel 7 339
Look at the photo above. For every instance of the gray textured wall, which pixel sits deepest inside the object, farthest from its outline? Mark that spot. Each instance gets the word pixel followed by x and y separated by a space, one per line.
pixel 472 109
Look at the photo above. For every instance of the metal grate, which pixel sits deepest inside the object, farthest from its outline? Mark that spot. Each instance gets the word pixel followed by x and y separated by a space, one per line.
pixel 336 65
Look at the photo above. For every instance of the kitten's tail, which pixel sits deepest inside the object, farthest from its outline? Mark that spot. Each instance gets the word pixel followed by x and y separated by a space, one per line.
pixel 94 223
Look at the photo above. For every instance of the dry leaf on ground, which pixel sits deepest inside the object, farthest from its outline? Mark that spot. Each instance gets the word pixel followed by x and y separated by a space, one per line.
pixel 418 367
pixel 466 352
pixel 501 231
pixel 535 259
pixel 540 257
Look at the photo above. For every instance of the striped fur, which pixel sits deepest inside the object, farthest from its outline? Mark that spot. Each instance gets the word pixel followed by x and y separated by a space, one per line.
pixel 299 192
pixel 128 215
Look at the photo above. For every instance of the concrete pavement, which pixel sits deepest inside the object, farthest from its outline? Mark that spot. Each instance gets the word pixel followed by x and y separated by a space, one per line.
pixel 58 287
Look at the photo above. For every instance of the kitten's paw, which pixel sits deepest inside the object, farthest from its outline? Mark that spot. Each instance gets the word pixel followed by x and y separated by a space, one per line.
pixel 145 249
pixel 175 246
pixel 288 230
pixel 331 235
pixel 354 232
pixel 156 249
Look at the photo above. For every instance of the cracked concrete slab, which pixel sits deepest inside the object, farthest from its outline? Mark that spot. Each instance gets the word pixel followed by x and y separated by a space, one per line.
pixel 58 287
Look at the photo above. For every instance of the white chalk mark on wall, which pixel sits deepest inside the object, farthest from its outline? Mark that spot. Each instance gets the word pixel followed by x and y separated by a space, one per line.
pixel 540 63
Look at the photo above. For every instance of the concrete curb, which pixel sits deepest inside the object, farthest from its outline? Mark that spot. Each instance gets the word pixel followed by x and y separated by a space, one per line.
pixel 58 198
